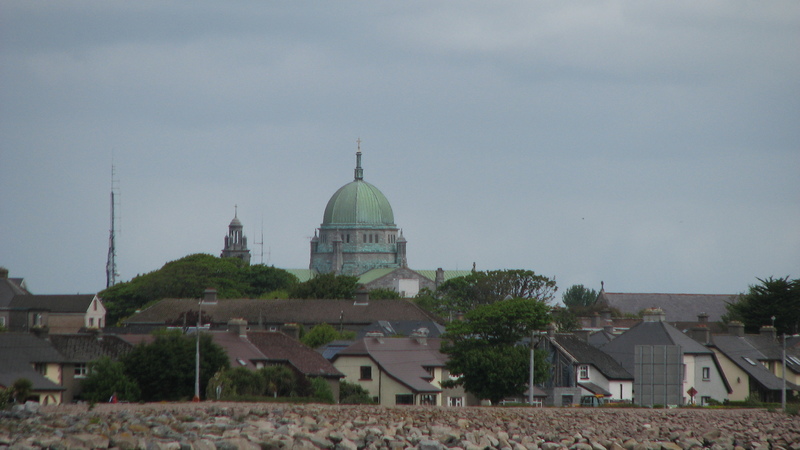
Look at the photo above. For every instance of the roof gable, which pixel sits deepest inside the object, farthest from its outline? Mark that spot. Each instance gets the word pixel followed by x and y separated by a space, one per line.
pixel 278 347
pixel 584 353
pixel 56 303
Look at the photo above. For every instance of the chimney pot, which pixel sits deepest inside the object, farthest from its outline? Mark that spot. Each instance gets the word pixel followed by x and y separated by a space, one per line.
pixel 736 328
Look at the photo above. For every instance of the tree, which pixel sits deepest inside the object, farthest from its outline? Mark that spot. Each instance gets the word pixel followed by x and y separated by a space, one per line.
pixel 322 390
pixel 165 369
pixel 326 286
pixel 463 294
pixel 486 351
pixel 188 277
pixel 320 335
pixel 21 390
pixel 282 381
pixel 106 378
pixel 578 295
pixel 773 297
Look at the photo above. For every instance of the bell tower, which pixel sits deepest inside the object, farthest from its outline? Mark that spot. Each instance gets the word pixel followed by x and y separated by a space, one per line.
pixel 236 241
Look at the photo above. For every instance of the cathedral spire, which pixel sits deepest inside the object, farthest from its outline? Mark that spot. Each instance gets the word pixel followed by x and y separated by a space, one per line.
pixel 359 171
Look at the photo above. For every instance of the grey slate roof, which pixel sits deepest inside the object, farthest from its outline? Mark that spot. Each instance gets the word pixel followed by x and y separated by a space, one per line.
pixel 285 311
pixel 56 303
pixel 585 353
pixel 402 328
pixel 18 353
pixel 403 359
pixel 737 348
pixel 650 333
pixel 85 347
pixel 677 307
pixel 10 287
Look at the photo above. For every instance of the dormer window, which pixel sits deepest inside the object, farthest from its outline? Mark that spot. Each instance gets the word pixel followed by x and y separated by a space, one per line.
pixel 583 372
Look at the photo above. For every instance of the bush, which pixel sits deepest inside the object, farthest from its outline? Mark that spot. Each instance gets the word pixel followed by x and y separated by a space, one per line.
pixel 5 398
pixel 353 394
pixel 107 378
pixel 322 390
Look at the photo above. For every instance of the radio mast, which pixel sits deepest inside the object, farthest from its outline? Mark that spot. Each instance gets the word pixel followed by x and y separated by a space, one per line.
pixel 111 264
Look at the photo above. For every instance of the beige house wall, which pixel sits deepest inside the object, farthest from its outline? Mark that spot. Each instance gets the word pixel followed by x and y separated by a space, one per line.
pixel 738 379
pixel 61 323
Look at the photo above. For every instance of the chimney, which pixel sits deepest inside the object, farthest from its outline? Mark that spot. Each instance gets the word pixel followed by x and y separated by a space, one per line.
pixel 736 328
pixel 702 317
pixel 551 330
pixel 238 327
pixel 609 327
pixel 377 335
pixel 292 330
pixel 210 296
pixel 768 330
pixel 654 315
pixel 700 333
pixel 3 273
pixel 439 277
pixel 420 335
pixel 582 334
pixel 595 320
pixel 362 296
pixel 605 314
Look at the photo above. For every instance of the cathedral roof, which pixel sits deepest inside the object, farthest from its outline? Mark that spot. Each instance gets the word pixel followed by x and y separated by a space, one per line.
pixel 358 203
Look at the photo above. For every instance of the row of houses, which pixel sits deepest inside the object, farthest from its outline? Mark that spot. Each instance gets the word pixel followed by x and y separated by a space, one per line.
pixel 396 355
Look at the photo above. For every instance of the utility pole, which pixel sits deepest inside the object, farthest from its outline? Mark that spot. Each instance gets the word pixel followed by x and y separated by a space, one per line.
pixel 783 391
pixel 197 354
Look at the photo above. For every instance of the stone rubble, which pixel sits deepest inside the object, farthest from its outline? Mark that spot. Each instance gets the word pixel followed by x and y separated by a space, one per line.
pixel 245 426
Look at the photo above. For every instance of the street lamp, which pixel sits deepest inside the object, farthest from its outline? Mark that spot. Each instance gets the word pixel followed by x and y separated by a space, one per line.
pixel 197 353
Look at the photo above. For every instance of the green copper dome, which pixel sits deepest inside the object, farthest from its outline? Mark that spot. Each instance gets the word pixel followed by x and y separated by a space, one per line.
pixel 358 203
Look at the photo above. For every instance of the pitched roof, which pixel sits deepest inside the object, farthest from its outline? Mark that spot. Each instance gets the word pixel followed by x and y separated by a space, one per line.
pixel 56 303
pixel 584 353
pixel 650 333
pixel 278 347
pixel 285 311
pixel 678 307
pixel 18 353
pixel 239 349
pixel 747 357
pixel 85 347
pixel 404 359
pixel 9 287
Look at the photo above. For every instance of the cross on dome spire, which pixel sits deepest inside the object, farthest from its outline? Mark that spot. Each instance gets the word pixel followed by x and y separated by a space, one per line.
pixel 359 172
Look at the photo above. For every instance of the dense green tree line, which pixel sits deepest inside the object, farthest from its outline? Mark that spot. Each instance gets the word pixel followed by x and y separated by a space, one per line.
pixel 188 277
pixel 772 297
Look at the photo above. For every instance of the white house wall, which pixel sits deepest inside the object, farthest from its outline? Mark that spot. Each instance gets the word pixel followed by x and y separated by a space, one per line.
pixel 620 389
pixel 713 387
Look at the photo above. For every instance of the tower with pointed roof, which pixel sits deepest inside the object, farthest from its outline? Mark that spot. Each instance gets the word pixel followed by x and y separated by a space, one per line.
pixel 236 241
pixel 358 232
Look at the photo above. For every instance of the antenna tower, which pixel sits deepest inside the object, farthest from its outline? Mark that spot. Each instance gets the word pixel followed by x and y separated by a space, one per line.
pixel 261 243
pixel 111 264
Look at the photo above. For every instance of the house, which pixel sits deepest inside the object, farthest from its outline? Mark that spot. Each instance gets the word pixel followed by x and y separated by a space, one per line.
pixel 57 313
pixel 256 349
pixel 581 373
pixel 9 288
pixel 676 307
pixel 698 370
pixel 23 355
pixel 399 371
pixel 274 314
pixel 78 350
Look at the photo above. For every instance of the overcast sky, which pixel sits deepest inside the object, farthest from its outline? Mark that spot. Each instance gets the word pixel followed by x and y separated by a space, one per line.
pixel 652 145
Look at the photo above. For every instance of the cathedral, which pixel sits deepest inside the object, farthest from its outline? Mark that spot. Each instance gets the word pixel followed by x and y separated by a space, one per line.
pixel 358 232
pixel 358 237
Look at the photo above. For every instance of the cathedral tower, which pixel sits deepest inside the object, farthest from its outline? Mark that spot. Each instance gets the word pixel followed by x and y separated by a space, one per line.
pixel 236 241
pixel 358 232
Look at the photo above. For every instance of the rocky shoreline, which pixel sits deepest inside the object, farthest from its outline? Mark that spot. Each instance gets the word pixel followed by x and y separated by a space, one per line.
pixel 231 426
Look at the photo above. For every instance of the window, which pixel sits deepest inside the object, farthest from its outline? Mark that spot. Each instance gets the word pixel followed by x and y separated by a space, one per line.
pixel 366 372
pixel 404 399
pixel 81 370
pixel 455 401
pixel 2 321
pixel 91 321
pixel 37 320
pixel 94 305
pixel 430 371
pixel 429 399
pixel 348 238
pixel 583 372
pixel 40 368
pixel 749 361
pixel 706 373
pixel 705 401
